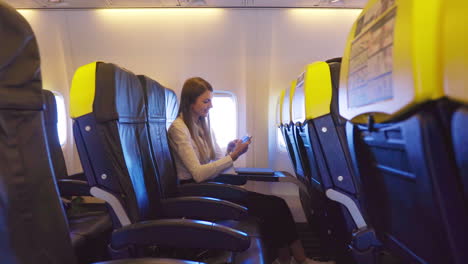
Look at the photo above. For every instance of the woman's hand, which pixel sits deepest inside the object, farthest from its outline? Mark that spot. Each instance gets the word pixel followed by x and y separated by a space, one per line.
pixel 239 149
pixel 232 145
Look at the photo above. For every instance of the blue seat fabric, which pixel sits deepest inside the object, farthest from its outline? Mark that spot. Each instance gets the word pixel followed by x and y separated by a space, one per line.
pixel 411 184
pixel 156 96
pixel 459 128
pixel 33 228
pixel 89 224
pixel 321 146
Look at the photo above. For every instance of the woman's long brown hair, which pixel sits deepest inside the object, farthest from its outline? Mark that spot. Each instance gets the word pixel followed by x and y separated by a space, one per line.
pixel 192 89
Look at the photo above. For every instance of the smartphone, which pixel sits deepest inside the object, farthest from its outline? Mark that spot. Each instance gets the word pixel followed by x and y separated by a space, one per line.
pixel 246 138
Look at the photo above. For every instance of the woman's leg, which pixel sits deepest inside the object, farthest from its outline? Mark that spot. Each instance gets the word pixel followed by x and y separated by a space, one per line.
pixel 299 254
pixel 278 226
pixel 297 251
pixel 276 221
pixel 284 255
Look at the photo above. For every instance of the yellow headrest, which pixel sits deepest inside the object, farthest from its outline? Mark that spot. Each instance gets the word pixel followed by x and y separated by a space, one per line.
pixel 279 114
pixel 392 60
pixel 82 90
pixel 286 108
pixel 455 55
pixel 318 90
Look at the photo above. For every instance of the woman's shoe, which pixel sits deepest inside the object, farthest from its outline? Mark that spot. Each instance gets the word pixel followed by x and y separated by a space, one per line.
pixel 291 261
pixel 311 261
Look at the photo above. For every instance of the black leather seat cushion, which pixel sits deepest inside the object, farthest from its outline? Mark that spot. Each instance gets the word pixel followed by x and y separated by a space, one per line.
pixel 90 232
pixel 90 224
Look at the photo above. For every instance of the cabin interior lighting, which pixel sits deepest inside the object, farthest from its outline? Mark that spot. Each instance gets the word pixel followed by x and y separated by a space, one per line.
pixel 324 3
pixel 54 1
pixel 28 14
pixel 191 2
pixel 140 14
pixel 323 14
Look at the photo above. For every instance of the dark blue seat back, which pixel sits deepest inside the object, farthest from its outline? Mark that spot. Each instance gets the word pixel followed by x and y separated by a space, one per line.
pixel 32 226
pixel 113 140
pixel 460 144
pixel 320 138
pixel 155 95
pixel 454 64
pixel 172 107
pixel 287 130
pixel 50 111
pixel 405 178
pixel 391 89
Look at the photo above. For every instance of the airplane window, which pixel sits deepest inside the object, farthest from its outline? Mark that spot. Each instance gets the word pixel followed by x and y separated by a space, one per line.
pixel 61 118
pixel 223 117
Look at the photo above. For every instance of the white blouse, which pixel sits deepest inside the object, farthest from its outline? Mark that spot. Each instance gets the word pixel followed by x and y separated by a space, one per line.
pixel 187 157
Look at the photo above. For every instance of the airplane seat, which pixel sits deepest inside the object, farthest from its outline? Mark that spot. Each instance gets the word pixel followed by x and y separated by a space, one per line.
pixel 286 103
pixel 33 228
pixel 166 171
pixel 291 114
pixel 335 67
pixel 312 201
pixel 286 125
pixel 172 107
pixel 89 224
pixel 460 144
pixel 31 223
pixel 110 123
pixel 455 80
pixel 287 130
pixel 50 114
pixel 390 87
pixel 155 101
pixel 319 132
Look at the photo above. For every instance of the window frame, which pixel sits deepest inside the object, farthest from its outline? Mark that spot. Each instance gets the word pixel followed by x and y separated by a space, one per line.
pixel 222 93
pixel 62 98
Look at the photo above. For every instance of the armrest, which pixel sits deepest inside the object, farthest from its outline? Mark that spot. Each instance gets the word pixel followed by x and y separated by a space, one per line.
pixel 232 179
pixel 204 208
pixel 253 174
pixel 149 261
pixel 78 176
pixel 180 233
pixel 215 190
pixel 73 188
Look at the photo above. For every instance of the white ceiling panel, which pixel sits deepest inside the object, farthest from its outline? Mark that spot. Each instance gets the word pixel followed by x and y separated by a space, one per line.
pixel 64 4
pixel 71 4
pixel 24 4
pixel 309 3
pixel 135 3
pixel 227 3
pixel 279 3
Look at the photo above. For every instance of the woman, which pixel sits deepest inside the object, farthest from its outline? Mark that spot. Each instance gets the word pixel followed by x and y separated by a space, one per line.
pixel 198 158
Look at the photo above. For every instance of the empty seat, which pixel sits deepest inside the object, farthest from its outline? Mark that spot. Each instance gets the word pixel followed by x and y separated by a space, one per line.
pixel 111 131
pixel 90 225
pixel 32 225
pixel 319 133
pixel 390 90
pixel 33 229
pixel 311 202
pixel 287 129
pixel 455 63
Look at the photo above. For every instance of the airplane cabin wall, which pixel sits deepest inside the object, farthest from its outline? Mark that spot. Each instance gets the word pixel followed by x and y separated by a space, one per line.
pixel 254 53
